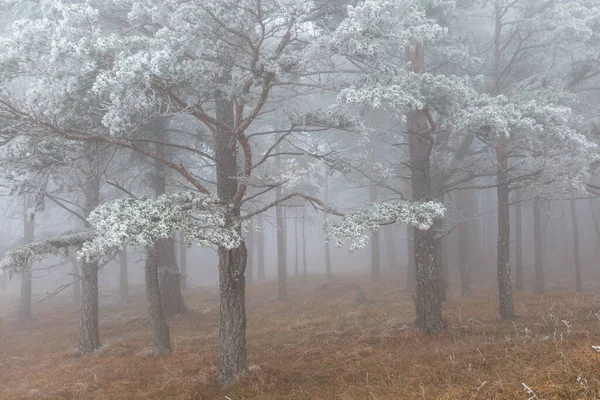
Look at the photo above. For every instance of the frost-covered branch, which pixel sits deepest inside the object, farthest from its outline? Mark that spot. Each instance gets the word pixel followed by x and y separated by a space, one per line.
pixel 357 227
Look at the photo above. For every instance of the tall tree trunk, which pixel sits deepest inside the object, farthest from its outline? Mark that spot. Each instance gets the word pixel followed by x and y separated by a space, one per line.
pixel 328 272
pixel 427 298
pixel 440 249
pixel 89 335
pixel 503 191
pixel 538 287
pixel 304 263
pixel 169 278
pixel 260 256
pixel 375 259
pixel 24 313
pixel 578 282
pixel 76 281
pixel 250 250
pixel 281 257
pixel 123 277
pixel 231 347
pixel 465 212
pixel 390 247
pixel 160 330
pixel 519 245
pixel 183 260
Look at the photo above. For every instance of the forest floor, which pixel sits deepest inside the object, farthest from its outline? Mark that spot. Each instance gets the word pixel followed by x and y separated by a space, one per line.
pixel 319 344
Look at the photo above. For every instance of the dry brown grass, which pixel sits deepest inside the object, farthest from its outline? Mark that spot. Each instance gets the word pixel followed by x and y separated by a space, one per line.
pixel 317 345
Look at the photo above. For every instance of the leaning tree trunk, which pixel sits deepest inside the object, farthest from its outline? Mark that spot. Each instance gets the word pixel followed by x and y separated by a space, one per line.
pixel 123 277
pixel 519 246
pixel 24 313
pixel 328 271
pixel 231 347
pixel 281 259
pixel 578 282
pixel 89 336
pixel 76 281
pixel 538 287
pixel 183 260
pixel 427 297
pixel 160 330
pixel 260 251
pixel 169 279
pixel 375 259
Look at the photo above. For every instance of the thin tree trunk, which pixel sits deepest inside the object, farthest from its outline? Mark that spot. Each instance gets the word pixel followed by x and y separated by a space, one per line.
pixel 375 259
pixel 328 272
pixel 89 335
pixel 76 281
pixel 24 313
pixel 538 287
pixel 160 330
pixel 169 278
pixel 281 260
pixel 578 282
pixel 231 347
pixel 440 249
pixel 183 260
pixel 519 246
pixel 250 250
pixel 427 298
pixel 123 277
pixel 261 250
pixel 304 263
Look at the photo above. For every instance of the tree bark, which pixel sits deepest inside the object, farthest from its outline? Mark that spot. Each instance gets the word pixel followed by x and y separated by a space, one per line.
pixel 123 277
pixel 328 271
pixel 440 249
pixel 89 335
pixel 578 282
pixel 160 330
pixel 183 260
pixel 538 287
pixel 24 313
pixel 519 246
pixel 260 256
pixel 427 298
pixel 169 278
pixel 281 259
pixel 411 278
pixel 231 347
pixel 375 259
